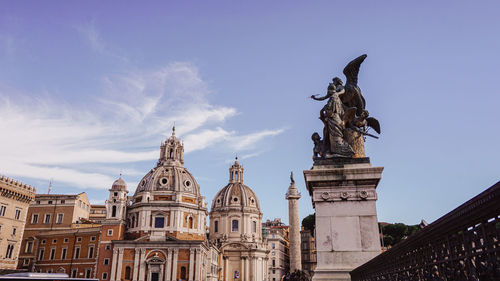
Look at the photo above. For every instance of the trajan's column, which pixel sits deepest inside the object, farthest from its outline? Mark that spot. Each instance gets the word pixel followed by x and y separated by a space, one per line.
pixel 293 197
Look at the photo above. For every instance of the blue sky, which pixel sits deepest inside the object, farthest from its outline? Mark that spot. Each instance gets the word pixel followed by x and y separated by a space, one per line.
pixel 91 88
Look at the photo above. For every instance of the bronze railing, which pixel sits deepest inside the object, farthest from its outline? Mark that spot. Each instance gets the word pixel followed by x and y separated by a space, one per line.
pixel 461 245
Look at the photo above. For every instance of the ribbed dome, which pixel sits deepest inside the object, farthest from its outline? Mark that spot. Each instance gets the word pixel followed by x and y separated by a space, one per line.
pixel 119 184
pixel 235 195
pixel 164 178
pixel 169 173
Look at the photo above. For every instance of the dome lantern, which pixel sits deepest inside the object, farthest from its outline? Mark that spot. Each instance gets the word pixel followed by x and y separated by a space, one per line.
pixel 171 151
pixel 236 172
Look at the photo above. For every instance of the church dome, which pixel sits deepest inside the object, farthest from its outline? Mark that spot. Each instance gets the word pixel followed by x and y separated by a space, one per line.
pixel 169 173
pixel 168 177
pixel 119 184
pixel 235 194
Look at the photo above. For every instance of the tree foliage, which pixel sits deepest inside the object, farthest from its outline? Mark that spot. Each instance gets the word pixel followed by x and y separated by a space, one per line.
pixel 309 223
pixel 394 233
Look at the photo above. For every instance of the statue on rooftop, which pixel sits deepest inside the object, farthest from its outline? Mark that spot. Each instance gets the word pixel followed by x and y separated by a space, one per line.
pixel 345 118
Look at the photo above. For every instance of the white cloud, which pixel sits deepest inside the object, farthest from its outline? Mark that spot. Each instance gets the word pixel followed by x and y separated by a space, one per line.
pixel 249 141
pixel 125 124
pixel 90 33
pixel 93 37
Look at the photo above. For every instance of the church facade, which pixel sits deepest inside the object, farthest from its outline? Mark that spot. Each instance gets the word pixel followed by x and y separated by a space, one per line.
pixel 236 229
pixel 160 233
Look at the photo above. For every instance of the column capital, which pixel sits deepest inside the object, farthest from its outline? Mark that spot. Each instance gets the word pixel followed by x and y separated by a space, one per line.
pixel 137 251
pixel 120 250
pixel 176 251
pixel 115 251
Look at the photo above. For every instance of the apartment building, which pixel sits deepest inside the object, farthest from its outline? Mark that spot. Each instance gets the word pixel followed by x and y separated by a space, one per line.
pixel 49 213
pixel 15 198
pixel 279 245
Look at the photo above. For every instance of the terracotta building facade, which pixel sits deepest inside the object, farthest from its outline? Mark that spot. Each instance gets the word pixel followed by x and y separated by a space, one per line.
pixel 15 198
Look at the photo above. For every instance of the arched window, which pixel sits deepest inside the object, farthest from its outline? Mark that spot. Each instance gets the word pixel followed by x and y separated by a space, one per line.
pixel 171 153
pixel 216 226
pixel 236 175
pixel 113 212
pixel 183 273
pixel 127 273
pixel 190 222
pixel 234 226
pixel 133 221
pixel 254 226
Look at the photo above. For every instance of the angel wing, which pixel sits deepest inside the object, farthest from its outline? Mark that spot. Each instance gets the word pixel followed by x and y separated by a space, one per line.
pixel 372 122
pixel 352 69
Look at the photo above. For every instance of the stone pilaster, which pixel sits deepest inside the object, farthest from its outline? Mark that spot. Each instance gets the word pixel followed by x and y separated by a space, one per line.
pixel 119 265
pixel 191 264
pixel 197 265
pixel 136 264
pixel 142 265
pixel 174 264
pixel 113 265
pixel 343 192
pixel 168 275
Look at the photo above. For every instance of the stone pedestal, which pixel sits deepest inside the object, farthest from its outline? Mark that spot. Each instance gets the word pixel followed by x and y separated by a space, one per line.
pixel 344 196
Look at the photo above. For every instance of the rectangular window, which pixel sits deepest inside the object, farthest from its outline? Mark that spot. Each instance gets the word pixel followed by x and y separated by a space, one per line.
pixel 3 208
pixel 110 232
pixel 108 247
pixel 29 247
pixel 42 242
pixel 66 240
pixel 88 272
pixel 34 219
pixel 216 226
pixel 273 246
pixel 104 275
pixel 91 252
pixel 254 226
pixel 234 226
pixel 14 231
pixel 10 249
pixel 54 241
pixel 40 254
pixel 106 261
pixel 26 261
pixel 92 238
pixel 52 253
pixel 74 271
pixel 17 216
pixel 77 253
pixel 50 202
pixel 63 201
pixel 78 239
pixel 159 222
pixel 60 218
pixel 47 218
pixel 63 253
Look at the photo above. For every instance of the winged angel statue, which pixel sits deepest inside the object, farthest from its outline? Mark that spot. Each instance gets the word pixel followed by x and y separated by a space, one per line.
pixel 346 121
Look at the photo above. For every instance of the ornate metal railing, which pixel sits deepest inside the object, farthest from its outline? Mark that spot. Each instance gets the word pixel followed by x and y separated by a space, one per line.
pixel 461 245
